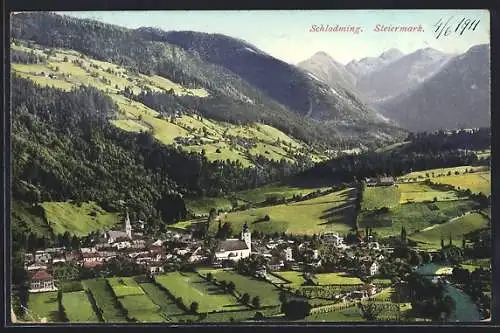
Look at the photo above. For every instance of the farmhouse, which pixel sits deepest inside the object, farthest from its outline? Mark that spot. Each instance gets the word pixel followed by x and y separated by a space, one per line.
pixel 275 264
pixel 235 249
pixel 370 268
pixel 334 238
pixel 380 181
pixel 41 281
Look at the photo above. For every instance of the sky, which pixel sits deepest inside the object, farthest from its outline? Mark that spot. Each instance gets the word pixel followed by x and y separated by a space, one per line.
pixel 287 34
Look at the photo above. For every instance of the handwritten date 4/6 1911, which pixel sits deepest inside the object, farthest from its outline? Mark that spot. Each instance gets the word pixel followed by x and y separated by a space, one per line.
pixel 453 25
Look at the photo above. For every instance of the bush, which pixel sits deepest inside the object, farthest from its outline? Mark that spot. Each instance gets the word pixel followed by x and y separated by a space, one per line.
pixel 258 316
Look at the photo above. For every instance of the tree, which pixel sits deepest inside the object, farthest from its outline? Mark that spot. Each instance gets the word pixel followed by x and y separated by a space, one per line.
pixel 256 302
pixel 370 310
pixel 223 285
pixel 258 316
pixel 296 309
pixel 75 242
pixel 231 287
pixel 245 298
pixel 194 307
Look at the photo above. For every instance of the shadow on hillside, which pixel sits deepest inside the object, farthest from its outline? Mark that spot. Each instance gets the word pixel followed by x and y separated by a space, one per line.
pixel 335 211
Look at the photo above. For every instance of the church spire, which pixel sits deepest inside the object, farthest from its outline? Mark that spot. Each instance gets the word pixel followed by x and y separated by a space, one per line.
pixel 128 226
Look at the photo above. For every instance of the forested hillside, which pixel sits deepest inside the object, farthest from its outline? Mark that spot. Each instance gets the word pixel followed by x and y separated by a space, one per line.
pixel 64 147
pixel 231 98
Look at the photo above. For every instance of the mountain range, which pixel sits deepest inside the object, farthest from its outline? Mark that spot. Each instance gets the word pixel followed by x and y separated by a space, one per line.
pixel 425 90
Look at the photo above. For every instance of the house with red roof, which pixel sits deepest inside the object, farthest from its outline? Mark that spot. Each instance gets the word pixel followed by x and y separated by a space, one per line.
pixel 41 281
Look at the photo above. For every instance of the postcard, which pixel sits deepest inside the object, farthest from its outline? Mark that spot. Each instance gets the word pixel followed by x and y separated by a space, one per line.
pixel 242 167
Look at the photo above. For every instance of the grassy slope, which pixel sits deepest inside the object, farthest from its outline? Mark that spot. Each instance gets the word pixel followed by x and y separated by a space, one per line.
pixel 31 217
pixel 162 129
pixel 332 212
pixel 476 182
pixel 66 216
pixel 456 228
pixel 414 216
pixel 201 206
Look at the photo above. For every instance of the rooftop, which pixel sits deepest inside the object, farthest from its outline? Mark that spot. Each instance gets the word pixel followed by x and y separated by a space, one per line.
pixel 41 275
pixel 232 245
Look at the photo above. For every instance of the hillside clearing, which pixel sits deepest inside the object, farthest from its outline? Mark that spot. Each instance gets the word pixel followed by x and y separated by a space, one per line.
pixel 77 219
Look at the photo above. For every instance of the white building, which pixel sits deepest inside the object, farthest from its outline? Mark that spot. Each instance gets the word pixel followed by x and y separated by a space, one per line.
pixel 113 235
pixel 334 238
pixel 235 249
pixel 371 269
pixel 41 281
pixel 288 254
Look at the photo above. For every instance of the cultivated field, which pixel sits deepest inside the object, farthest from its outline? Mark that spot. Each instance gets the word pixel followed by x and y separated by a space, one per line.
pixel 296 278
pixel 105 300
pixel 336 278
pixel 141 308
pixel 162 299
pixel 78 307
pixel 192 288
pixel 268 294
pixel 77 220
pixel 44 305
pixel 378 197
pixel 125 286
pixel 419 192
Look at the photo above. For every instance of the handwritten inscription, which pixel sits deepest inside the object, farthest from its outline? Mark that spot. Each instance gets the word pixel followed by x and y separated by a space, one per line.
pixel 453 25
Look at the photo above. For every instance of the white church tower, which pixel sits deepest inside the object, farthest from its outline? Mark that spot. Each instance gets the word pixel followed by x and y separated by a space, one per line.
pixel 246 236
pixel 128 227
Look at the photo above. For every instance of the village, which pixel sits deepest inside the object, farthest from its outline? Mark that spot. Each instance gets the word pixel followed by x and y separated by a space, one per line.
pixel 154 256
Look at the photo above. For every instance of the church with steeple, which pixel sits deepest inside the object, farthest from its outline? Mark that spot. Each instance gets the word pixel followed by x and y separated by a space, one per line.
pixel 114 235
pixel 235 249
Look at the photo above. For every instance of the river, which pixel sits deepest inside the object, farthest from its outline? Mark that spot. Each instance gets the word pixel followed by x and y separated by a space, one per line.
pixel 465 309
